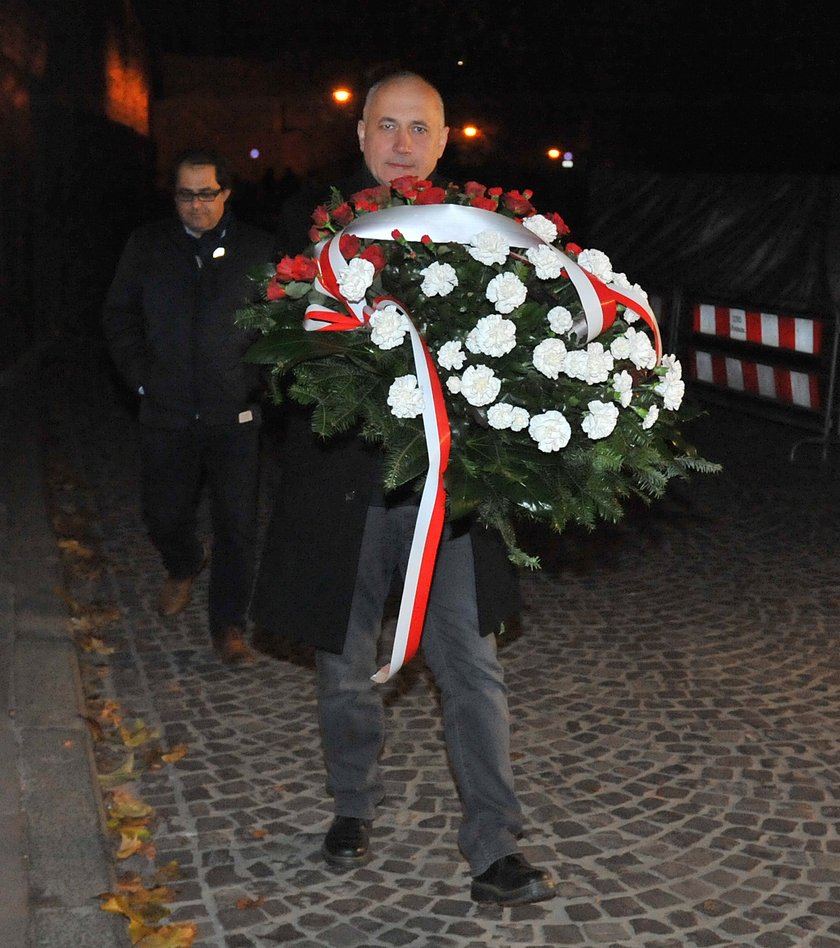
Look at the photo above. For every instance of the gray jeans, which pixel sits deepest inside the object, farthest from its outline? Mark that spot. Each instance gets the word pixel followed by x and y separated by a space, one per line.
pixel 465 667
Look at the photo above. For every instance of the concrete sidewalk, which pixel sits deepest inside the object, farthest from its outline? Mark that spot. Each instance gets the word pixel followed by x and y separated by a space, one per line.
pixel 53 855
pixel 675 694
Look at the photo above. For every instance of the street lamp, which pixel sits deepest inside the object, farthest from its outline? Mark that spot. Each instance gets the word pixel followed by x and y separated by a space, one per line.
pixel 342 95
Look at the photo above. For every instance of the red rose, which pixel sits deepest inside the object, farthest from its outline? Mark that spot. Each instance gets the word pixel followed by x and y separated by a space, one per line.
pixel 520 204
pixel 274 291
pixel 559 223
pixel 374 254
pixel 431 196
pixel 349 245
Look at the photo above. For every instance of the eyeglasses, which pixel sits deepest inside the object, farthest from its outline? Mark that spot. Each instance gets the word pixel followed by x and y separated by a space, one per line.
pixel 185 196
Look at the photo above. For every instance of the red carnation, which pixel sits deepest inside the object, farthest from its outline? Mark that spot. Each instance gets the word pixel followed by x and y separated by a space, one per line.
pixel 519 203
pixel 349 245
pixel 321 215
pixel 573 248
pixel 559 223
pixel 494 192
pixel 296 268
pixel 371 199
pixel 314 234
pixel 375 255
pixel 406 185
pixel 274 291
pixel 485 203
pixel 425 240
pixel 431 196
pixel 343 214
pixel 473 189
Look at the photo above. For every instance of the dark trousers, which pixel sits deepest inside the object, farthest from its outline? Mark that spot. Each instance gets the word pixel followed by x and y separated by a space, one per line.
pixel 176 466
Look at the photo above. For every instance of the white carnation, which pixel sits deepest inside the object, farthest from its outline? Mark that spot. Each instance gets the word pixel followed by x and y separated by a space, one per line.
pixel 542 227
pixel 389 327
pixel 623 387
pixel 550 430
pixel 590 365
pixel 489 247
pixel 355 279
pixel 506 291
pixel 620 280
pixel 600 420
pixel 479 385
pixel 620 347
pixel 502 416
pixel 451 356
pixel 405 398
pixel 560 320
pixel 642 353
pixel 453 383
pixel 597 263
pixel 493 335
pixel 549 357
pixel 672 391
pixel 439 279
pixel 548 264
pixel 673 365
pixel 651 416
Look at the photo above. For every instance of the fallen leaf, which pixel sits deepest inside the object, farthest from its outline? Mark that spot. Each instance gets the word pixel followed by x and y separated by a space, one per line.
pixel 259 833
pixel 246 903
pixel 139 734
pixel 174 754
pixel 170 936
pixel 123 774
pixel 96 730
pixel 124 805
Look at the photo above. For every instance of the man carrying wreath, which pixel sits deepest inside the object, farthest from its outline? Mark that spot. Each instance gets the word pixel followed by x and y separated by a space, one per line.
pixel 335 541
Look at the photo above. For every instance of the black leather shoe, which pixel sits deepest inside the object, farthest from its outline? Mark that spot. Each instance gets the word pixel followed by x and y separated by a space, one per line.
pixel 512 880
pixel 347 843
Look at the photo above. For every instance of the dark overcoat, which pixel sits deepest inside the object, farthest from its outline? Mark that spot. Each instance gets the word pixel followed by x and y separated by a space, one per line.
pixel 307 572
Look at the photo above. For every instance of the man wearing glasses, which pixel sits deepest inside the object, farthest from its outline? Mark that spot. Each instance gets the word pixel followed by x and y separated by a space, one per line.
pixel 169 323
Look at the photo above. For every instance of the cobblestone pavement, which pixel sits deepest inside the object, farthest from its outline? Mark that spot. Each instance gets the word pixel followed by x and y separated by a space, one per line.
pixel 675 696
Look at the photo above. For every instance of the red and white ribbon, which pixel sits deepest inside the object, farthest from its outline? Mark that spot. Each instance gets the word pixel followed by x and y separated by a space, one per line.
pixel 442 223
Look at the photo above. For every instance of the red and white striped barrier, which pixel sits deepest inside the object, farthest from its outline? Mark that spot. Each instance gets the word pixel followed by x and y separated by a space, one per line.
pixel 768 381
pixel 796 333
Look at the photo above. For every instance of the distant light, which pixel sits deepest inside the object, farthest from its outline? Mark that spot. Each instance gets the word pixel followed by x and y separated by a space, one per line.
pixel 470 131
pixel 568 159
pixel 254 153
pixel 342 95
pixel 460 62
pixel 553 153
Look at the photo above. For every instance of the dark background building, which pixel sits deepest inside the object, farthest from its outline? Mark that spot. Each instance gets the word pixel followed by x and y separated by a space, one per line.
pixel 662 97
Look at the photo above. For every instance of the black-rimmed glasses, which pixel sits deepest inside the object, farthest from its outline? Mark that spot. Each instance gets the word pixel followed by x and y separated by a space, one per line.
pixel 206 195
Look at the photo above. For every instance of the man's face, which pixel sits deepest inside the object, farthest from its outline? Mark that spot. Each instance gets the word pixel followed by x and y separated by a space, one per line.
pixel 194 213
pixel 402 132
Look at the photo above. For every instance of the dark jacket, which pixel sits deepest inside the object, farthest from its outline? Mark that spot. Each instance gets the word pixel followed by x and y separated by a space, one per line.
pixel 169 322
pixel 307 573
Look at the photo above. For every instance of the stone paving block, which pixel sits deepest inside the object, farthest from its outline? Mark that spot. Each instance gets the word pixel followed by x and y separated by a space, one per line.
pixel 674 702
